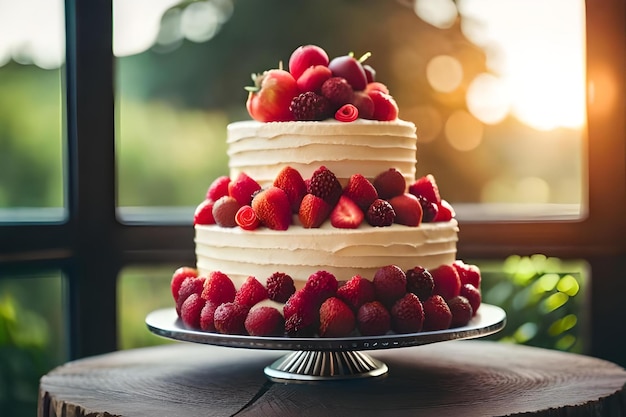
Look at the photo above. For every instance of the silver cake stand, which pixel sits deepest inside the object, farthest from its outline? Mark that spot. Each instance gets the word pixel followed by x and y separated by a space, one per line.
pixel 319 359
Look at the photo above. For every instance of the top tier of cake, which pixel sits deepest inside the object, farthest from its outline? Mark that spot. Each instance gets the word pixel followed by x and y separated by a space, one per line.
pixel 368 147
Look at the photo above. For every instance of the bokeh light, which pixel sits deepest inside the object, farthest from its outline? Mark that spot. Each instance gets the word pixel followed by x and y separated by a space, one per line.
pixel 439 13
pixel 463 131
pixel 488 99
pixel 444 73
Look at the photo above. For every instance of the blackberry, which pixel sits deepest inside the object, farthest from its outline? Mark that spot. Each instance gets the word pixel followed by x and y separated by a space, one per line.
pixel 420 282
pixel 325 185
pixel 310 106
pixel 380 213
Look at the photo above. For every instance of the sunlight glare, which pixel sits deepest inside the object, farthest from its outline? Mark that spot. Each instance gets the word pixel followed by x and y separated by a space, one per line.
pixel 488 99
pixel 439 13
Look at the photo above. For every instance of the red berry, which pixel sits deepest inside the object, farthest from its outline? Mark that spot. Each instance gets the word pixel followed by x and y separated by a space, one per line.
pixel 246 218
pixel 273 208
pixel 468 273
pixel 229 318
pixel 301 313
pixel 447 281
pixel 348 67
pixel 204 213
pixel 356 292
pixel 380 213
pixel 426 187
pixel 280 287
pixel 364 104
pixel 313 211
pixel 370 73
pixel 218 188
pixel 338 91
pixel 250 292
pixel 408 209
pixel 306 56
pixel 265 321
pixel 473 296
pixel 313 78
pixel 360 190
pixel 437 314
pixel 321 285
pixel 291 182
pixel 373 319
pixel 420 282
pixel 179 276
pixel 429 209
pixel 375 85
pixel 270 97
pixel 385 107
pixel 190 311
pixel 218 288
pixel 242 188
pixel 389 284
pixel 224 211
pixel 325 185
pixel 336 318
pixel 445 212
pixel 191 285
pixel 407 314
pixel 207 322
pixel 461 311
pixel 346 214
pixel 389 184
pixel 310 106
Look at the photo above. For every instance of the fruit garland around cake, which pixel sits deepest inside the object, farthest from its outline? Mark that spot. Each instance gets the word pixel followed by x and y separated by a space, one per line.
pixel 315 88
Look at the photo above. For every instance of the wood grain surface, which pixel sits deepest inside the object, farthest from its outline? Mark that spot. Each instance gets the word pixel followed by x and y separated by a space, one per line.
pixel 459 378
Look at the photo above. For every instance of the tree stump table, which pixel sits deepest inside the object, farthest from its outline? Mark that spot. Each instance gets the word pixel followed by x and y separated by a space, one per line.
pixel 456 378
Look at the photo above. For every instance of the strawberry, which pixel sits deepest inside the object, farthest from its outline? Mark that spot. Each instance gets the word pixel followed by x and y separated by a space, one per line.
pixel 229 318
pixel 429 209
pixel 225 210
pixel 280 287
pixel 447 281
pixel 204 213
pixel 206 316
pixel 190 311
pixel 246 218
pixel 290 181
pixel 380 213
pixel 324 184
pixel 360 190
pixel 306 56
pixel 356 292
pixel 321 285
pixel 385 106
pixel 336 318
pixel 218 288
pixel 313 78
pixel 346 214
pixel 348 67
pixel 347 113
pixel 265 321
pixel 376 85
pixel 373 319
pixel 191 285
pixel 420 282
pixel 301 313
pixel 407 314
pixel 408 209
pixel 461 311
pixel 389 284
pixel 468 274
pixel 218 188
pixel 437 314
pixel 270 97
pixel 273 209
pixel 445 212
pixel 313 211
pixel 364 104
pixel 310 106
pixel 180 275
pixel 242 188
pixel 250 292
pixel 338 91
pixel 389 184
pixel 473 296
pixel 426 186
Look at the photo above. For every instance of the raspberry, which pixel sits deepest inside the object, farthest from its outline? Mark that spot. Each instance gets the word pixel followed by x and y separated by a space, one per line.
pixel 229 318
pixel 291 182
pixel 461 311
pixel 218 188
pixel 407 314
pixel 242 188
pixel 389 184
pixel 473 296
pixel 280 287
pixel 192 285
pixel 338 91
pixel 325 185
pixel 321 285
pixel 447 281
pixel 206 316
pixel 437 314
pixel 429 209
pixel 420 282
pixel 298 325
pixel 469 274
pixel 190 311
pixel 336 318
pixel 218 288
pixel 310 106
pixel 265 321
pixel 224 211
pixel 373 319
pixel 250 292
pixel 356 292
pixel 380 213
pixel 179 276
pixel 389 284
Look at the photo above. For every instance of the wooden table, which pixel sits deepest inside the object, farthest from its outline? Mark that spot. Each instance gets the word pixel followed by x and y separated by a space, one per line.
pixel 456 378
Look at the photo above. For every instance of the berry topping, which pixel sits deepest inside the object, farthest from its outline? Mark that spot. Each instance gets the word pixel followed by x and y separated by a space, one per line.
pixel 321 285
pixel 346 214
pixel 301 313
pixel 192 285
pixel 408 209
pixel 313 78
pixel 306 56
pixel 273 208
pixel 179 276
pixel 373 319
pixel 348 67
pixel 250 292
pixel 325 185
pixel 420 282
pixel 469 274
pixel 426 187
pixel 218 288
pixel 190 311
pixel 407 315
pixel 280 287
pixel 380 213
pixel 364 104
pixel 389 183
pixel 338 91
pixel 370 73
pixel 347 113
pixel 437 314
pixel 242 188
pixel 246 218
pixel 445 212
pixel 265 321
pixel 375 85
pixel 224 211
pixel 473 296
pixel 447 281
pixel 356 292
pixel 336 318
pixel 385 107
pixel 360 190
pixel 271 95
pixel 204 213
pixel 206 316
pixel 218 188
pixel 313 211
pixel 229 318
pixel 290 181
pixel 310 106
pixel 389 284
pixel 461 310
pixel 429 210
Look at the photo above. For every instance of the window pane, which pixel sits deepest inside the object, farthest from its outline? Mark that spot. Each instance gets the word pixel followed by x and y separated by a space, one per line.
pixel 32 50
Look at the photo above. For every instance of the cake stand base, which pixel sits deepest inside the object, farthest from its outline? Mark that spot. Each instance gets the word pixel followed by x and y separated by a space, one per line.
pixel 322 365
